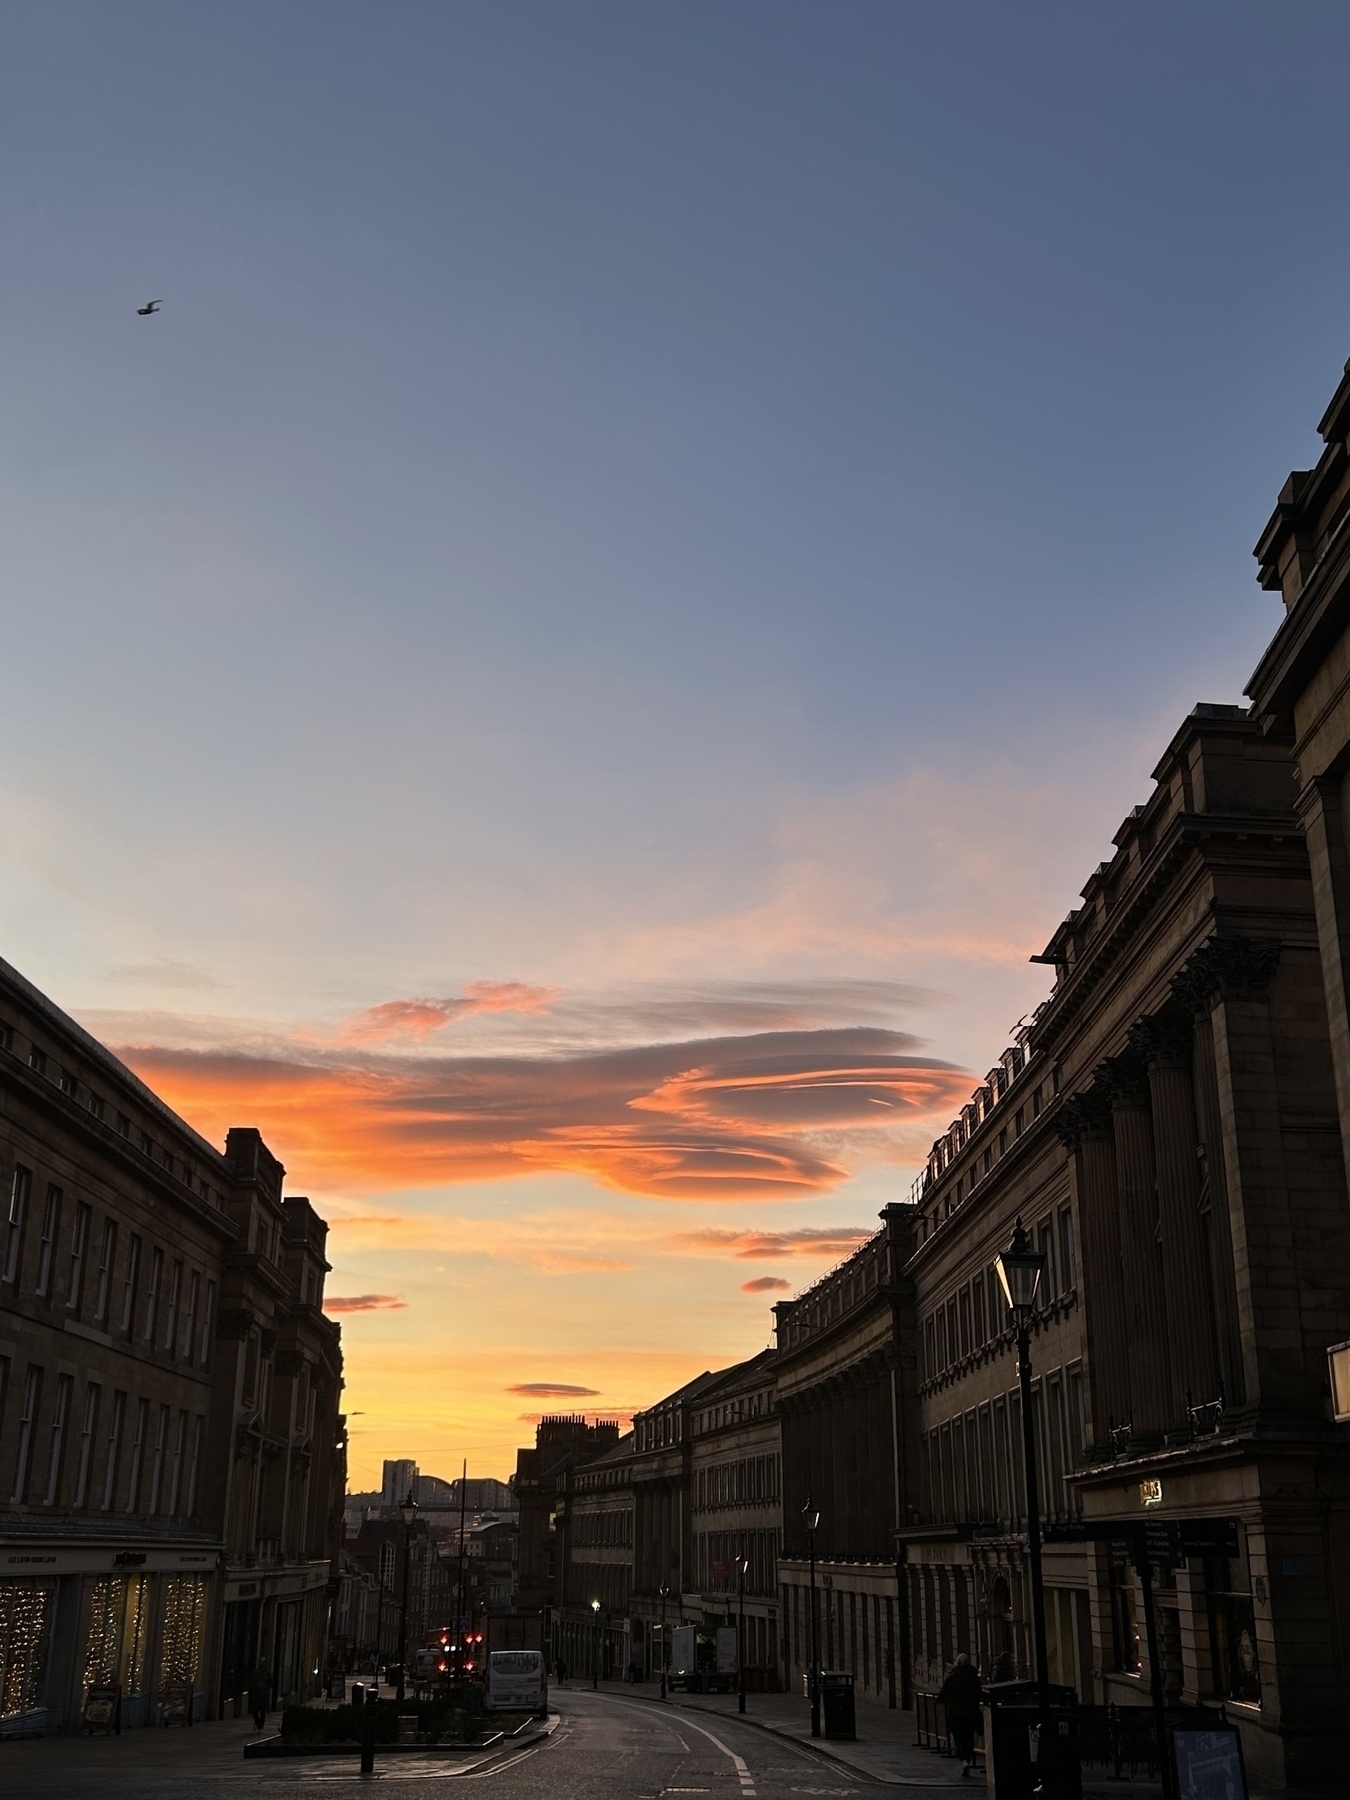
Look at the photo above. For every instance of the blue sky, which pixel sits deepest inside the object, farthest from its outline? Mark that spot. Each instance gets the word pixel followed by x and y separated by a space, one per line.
pixel 706 513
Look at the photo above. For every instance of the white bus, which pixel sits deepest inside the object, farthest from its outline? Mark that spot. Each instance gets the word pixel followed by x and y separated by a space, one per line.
pixel 517 1681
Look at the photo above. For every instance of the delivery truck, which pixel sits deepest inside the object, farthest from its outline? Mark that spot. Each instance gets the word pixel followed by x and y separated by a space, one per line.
pixel 703 1660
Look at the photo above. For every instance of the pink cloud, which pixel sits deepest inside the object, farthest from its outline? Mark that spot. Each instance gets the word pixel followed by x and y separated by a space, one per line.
pixel 417 1018
pixel 765 1284
pixel 354 1303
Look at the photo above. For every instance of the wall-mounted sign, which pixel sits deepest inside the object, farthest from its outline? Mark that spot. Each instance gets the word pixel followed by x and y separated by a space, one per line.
pixel 1150 1493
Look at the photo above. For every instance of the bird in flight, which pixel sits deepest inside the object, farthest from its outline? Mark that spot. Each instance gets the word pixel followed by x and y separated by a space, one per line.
pixel 151 306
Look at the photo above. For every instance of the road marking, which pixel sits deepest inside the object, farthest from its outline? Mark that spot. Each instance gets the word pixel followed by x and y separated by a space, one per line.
pixel 742 1768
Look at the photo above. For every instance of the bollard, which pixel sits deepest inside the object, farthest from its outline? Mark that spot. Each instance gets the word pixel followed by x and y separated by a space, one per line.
pixel 369 1715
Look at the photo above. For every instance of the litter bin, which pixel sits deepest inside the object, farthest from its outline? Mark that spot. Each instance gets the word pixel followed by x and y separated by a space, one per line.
pixel 1021 1750
pixel 836 1703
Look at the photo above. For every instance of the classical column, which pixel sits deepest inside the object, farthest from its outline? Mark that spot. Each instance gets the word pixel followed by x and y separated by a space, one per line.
pixel 1213 1198
pixel 1165 1043
pixel 1322 808
pixel 1084 1126
pixel 1126 1081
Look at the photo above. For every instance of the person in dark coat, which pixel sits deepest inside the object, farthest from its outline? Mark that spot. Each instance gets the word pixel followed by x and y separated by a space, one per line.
pixel 961 1696
pixel 259 1694
pixel 561 1669
pixel 1001 1668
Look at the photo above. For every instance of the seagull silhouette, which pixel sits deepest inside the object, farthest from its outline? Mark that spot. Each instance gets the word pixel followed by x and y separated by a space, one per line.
pixel 151 306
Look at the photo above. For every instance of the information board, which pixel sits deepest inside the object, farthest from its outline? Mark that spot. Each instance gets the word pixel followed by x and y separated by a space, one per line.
pixel 1209 1764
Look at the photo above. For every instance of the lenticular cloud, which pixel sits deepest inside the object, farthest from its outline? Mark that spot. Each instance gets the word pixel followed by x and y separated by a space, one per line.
pixel 770 1116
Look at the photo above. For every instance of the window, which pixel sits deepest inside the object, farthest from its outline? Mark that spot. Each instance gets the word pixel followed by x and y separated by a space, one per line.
pixel 1232 1628
pixel 79 1244
pixel 106 1257
pixel 1046 1245
pixel 175 1295
pixel 51 1221
pixel 6 1037
pixel 138 1454
pixel 152 1294
pixel 194 1298
pixel 123 1125
pixel 114 1449
pixel 1068 1272
pixel 37 1059
pixel 69 1082
pixel 168 1161
pixel 977 1305
pixel 1124 1619
pixel 147 1143
pixel 57 1444
pixel 16 1213
pixel 92 1395
pixel 176 1467
pixel 194 1463
pixel 157 1465
pixel 963 1313
pixel 32 1393
pixel 130 1282
pixel 208 1324
pixel 96 1105
pixel 1019 1121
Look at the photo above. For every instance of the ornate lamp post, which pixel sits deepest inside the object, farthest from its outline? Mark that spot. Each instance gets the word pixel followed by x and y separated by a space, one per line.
pixel 1019 1272
pixel 408 1513
pixel 742 1564
pixel 665 1595
pixel 811 1520
pixel 595 1645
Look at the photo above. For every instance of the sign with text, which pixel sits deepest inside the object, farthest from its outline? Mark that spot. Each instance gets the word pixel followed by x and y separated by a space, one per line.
pixel 1209 1764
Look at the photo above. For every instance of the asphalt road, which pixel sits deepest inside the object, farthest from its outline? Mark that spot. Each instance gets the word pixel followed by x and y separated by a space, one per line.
pixel 606 1748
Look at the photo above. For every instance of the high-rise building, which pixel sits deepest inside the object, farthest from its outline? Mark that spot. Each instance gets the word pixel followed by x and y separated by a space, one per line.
pixel 400 1480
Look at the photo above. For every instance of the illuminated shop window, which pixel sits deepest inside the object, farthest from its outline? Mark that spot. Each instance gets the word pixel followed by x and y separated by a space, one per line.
pixel 24 1610
pixel 184 1613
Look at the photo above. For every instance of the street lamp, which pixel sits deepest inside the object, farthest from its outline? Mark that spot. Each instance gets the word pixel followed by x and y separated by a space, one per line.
pixel 742 1564
pixel 665 1595
pixel 408 1513
pixel 595 1649
pixel 811 1520
pixel 1020 1268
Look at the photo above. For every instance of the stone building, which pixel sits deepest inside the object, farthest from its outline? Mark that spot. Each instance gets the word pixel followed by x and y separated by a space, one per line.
pixel 844 1373
pixel 562 1444
pixel 1169 1135
pixel 736 1512
pixel 171 1457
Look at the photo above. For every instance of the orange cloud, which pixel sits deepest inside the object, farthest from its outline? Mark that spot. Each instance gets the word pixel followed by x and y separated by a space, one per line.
pixel 765 1284
pixel 728 1118
pixel 353 1303
pixel 417 1019
pixel 810 1240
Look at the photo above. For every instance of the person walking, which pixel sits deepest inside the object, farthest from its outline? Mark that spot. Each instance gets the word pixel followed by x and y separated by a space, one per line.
pixel 259 1694
pixel 961 1696
pixel 561 1668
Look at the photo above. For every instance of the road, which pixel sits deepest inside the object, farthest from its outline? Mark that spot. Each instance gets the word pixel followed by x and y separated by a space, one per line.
pixel 606 1748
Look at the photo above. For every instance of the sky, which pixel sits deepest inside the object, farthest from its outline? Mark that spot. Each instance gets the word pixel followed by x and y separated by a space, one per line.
pixel 566 671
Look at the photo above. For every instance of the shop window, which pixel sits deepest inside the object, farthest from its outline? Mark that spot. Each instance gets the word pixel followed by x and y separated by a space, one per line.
pixel 181 1644
pixel 1232 1628
pixel 1124 1619
pixel 24 1610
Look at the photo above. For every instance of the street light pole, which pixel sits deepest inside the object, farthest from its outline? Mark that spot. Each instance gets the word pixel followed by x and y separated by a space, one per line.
pixel 811 1519
pixel 665 1595
pixel 1019 1271
pixel 595 1646
pixel 742 1562
pixel 408 1511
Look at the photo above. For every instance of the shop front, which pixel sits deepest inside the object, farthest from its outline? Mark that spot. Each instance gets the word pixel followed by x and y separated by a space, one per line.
pixel 129 1622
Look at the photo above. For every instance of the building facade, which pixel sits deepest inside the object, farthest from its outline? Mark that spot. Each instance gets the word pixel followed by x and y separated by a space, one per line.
pixel 171 1454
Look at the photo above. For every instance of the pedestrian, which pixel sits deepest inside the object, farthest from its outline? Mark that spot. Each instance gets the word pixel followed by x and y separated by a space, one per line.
pixel 561 1668
pixel 259 1694
pixel 960 1695
pixel 1001 1669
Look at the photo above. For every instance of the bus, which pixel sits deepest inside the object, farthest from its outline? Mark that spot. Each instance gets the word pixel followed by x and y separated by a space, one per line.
pixel 517 1681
